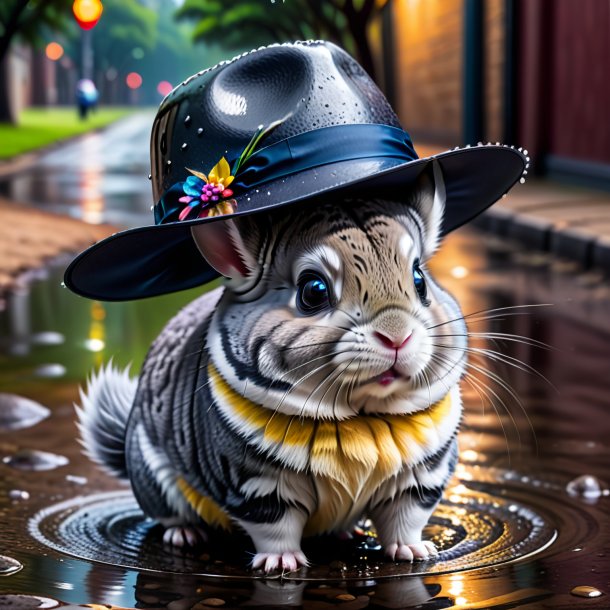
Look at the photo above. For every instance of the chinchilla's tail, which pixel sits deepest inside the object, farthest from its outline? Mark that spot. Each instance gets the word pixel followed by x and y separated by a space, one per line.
pixel 102 418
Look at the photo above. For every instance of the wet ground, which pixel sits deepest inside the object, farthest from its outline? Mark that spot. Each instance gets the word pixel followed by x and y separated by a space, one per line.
pixel 514 529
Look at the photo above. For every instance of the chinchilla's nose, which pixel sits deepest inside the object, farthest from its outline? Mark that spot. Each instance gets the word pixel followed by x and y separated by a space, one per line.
pixel 392 329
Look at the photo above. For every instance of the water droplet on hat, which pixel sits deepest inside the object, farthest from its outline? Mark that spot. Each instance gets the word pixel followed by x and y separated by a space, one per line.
pixel 184 146
pixel 150 176
pixel 268 192
pixel 187 120
pixel 169 162
pixel 522 180
pixel 200 131
pixel 525 152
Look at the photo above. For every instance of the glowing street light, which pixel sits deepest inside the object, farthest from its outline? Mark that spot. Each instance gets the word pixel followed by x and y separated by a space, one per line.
pixel 133 80
pixel 164 87
pixel 54 51
pixel 87 13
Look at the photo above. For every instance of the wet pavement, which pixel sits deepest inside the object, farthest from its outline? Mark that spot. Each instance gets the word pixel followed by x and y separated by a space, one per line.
pixel 517 527
pixel 98 177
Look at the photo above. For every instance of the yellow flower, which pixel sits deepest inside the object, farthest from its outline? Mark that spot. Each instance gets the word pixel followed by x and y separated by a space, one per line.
pixel 220 174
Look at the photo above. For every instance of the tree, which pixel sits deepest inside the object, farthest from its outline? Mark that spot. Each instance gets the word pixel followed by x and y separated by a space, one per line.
pixel 235 23
pixel 28 20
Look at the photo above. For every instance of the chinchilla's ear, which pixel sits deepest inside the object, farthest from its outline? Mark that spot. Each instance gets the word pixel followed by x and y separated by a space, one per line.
pixel 224 247
pixel 429 201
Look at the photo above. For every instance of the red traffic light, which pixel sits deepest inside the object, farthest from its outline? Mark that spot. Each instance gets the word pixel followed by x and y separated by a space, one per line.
pixel 87 13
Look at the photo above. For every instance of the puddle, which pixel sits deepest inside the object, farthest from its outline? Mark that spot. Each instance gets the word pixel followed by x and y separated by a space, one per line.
pixel 523 524
pixel 471 529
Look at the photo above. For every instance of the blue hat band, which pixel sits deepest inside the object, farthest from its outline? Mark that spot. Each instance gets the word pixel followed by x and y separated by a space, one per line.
pixel 303 152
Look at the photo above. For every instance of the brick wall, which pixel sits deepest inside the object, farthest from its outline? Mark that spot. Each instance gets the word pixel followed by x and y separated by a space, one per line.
pixel 493 69
pixel 429 63
pixel 428 45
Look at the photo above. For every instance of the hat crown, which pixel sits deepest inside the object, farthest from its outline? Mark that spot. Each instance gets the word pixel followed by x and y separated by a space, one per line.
pixel 215 113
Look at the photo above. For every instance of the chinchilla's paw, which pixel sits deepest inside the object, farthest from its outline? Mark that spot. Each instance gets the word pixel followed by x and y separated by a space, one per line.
pixel 419 551
pixel 184 536
pixel 287 562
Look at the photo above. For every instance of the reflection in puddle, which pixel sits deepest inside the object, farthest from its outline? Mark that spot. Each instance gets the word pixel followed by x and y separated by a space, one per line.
pixel 515 486
pixel 472 528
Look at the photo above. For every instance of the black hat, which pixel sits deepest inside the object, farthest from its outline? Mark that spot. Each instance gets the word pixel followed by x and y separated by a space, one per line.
pixel 272 127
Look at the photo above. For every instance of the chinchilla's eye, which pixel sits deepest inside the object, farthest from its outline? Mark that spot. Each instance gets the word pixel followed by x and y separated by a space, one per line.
pixel 420 283
pixel 313 293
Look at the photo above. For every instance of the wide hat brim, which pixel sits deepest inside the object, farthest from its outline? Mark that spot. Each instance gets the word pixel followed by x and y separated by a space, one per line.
pixel 158 259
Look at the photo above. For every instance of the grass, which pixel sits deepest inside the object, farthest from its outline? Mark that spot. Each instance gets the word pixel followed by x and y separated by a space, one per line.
pixel 39 127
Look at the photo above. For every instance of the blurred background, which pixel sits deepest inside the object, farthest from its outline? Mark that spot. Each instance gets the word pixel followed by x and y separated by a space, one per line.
pixel 457 71
pixel 79 86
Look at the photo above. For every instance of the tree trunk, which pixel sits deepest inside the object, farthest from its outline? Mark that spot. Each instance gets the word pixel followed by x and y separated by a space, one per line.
pixel 365 55
pixel 7 111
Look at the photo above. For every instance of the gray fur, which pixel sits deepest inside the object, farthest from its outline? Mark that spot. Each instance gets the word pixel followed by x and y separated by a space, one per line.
pixel 320 368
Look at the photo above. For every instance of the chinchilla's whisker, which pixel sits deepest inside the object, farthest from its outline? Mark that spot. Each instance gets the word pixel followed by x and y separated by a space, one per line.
pixel 294 386
pixel 442 360
pixel 503 384
pixel 476 384
pixel 500 337
pixel 337 377
pixel 342 384
pixel 482 312
pixel 349 315
pixel 331 355
pixel 338 389
pixel 316 388
pixel 299 381
pixel 285 349
pixel 499 357
pixel 511 392
pixel 351 386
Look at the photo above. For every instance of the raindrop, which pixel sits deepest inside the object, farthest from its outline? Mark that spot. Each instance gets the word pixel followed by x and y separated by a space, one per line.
pixel 27 602
pixel 50 371
pixel 268 192
pixel 522 180
pixel 9 566
pixel 586 486
pixel 200 131
pixel 188 119
pixel 150 176
pixel 586 591
pixel 18 494
pixel 32 459
pixel 48 338
pixel 72 478
pixel 169 162
pixel 184 146
pixel 17 412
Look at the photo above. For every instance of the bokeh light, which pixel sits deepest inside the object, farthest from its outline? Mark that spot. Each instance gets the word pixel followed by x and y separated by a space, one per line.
pixel 133 80
pixel 164 87
pixel 54 51
pixel 87 13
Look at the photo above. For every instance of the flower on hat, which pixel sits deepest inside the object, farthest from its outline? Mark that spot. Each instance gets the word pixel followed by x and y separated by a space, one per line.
pixel 208 195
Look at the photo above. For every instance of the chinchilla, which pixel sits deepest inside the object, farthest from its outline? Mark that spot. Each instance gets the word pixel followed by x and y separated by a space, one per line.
pixel 306 392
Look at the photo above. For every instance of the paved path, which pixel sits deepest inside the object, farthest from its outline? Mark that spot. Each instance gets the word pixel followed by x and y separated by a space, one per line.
pixel 99 177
